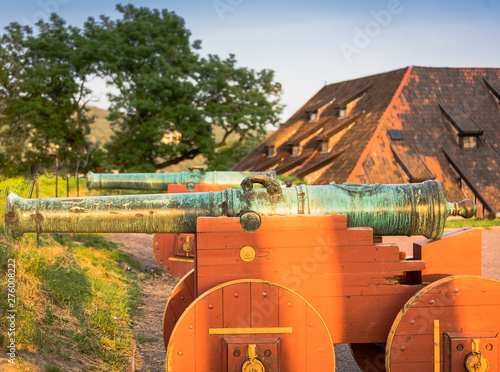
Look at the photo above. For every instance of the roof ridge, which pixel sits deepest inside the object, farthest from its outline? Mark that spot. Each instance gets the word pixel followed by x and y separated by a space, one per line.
pixel 364 77
pixel 366 150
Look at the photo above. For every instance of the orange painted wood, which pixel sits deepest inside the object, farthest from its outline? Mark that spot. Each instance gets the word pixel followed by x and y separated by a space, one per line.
pixel 182 350
pixel 457 253
pixel 317 354
pixel 293 311
pixel 167 250
pixel 265 343
pixel 458 345
pixel 236 306
pixel 264 310
pixel 307 348
pixel 182 296
pixel 209 313
pixel 461 304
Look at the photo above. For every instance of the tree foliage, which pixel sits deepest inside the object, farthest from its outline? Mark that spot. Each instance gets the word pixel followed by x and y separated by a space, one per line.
pixel 171 103
pixel 43 94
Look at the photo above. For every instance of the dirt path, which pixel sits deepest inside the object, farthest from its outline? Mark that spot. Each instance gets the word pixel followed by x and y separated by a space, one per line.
pixel 150 352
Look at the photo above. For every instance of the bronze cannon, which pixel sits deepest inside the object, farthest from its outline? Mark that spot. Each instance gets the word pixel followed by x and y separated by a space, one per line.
pixel 162 181
pixel 406 209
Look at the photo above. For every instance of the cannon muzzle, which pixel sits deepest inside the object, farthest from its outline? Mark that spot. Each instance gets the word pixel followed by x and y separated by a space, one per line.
pixel 406 209
pixel 160 181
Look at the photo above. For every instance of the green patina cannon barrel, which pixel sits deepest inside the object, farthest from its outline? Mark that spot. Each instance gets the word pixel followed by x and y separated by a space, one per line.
pixel 406 209
pixel 160 181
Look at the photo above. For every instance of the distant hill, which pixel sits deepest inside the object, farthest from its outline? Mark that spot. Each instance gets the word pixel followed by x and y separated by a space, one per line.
pixel 100 130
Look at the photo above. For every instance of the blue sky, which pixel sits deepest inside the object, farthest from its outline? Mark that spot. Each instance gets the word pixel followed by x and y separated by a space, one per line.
pixel 312 42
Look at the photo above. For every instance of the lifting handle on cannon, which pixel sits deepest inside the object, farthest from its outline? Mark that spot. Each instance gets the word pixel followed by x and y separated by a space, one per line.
pixel 272 186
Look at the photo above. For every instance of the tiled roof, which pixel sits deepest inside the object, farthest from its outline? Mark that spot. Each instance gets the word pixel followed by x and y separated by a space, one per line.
pixel 429 106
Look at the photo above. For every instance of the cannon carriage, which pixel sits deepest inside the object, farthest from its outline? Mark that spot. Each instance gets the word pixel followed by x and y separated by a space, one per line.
pixel 282 275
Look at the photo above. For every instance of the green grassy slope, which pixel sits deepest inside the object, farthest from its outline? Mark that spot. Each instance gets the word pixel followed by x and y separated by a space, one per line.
pixel 74 304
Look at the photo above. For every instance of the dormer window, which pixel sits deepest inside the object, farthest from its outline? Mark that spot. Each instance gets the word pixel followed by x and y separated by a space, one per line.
pixel 465 127
pixel 270 151
pixel 295 150
pixel 468 142
pixel 324 147
pixel 312 116
pixel 494 89
pixel 341 111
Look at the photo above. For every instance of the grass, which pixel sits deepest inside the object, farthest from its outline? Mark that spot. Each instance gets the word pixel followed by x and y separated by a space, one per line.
pixel 74 303
pixel 455 224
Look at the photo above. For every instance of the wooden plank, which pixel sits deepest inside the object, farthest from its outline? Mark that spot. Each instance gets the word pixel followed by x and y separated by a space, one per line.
pixel 208 314
pixel 236 305
pixel 182 348
pixel 294 346
pixel 319 350
pixel 264 305
pixel 286 239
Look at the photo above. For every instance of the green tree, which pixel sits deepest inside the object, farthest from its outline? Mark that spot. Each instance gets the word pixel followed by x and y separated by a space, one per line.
pixel 43 94
pixel 239 101
pixel 170 100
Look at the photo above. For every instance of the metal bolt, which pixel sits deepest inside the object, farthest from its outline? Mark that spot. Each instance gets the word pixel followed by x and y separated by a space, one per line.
pixel 431 302
pixel 403 348
pixel 412 322
pixel 267 353
pixel 264 294
pixel 483 290
pixel 180 353
pixel 210 306
pixel 321 350
pixel 191 326
pixel 236 353
pixel 236 295
pixel 460 347
pixel 310 325
pixel 456 290
pixel 182 298
pixel 489 347
pixel 290 304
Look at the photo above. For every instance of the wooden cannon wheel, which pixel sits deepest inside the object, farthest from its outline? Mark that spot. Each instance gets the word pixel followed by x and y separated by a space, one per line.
pixel 182 296
pixel 174 253
pixel 250 325
pixel 369 357
pixel 448 325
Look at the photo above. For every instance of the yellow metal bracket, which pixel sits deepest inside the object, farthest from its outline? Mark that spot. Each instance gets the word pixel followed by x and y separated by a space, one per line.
pixel 437 346
pixel 248 331
pixel 252 364
pixel 474 361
